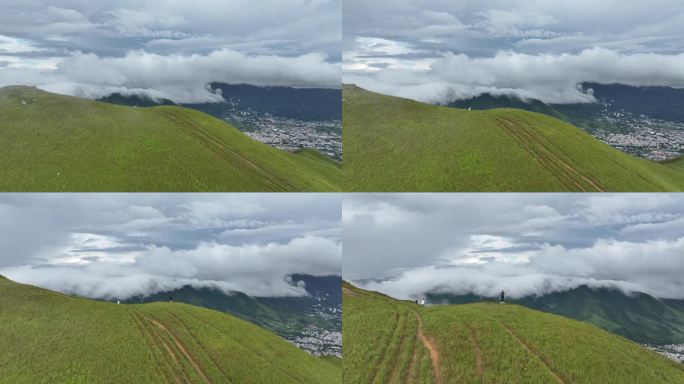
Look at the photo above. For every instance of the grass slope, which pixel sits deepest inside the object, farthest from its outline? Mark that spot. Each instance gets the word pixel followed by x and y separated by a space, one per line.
pixel 47 337
pixel 638 316
pixel 394 144
pixel 62 143
pixel 392 341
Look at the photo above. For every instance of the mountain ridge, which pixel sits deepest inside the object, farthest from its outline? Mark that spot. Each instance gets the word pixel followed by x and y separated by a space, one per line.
pixel 639 317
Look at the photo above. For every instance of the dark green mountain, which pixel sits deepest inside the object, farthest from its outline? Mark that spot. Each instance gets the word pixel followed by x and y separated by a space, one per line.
pixel 584 116
pixel 309 104
pixel 638 317
pixel 663 103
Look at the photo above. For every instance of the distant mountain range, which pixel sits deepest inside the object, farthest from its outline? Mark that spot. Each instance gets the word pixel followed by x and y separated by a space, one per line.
pixel 638 317
pixel 655 102
pixel 308 104
pixel 293 318
pixel 643 121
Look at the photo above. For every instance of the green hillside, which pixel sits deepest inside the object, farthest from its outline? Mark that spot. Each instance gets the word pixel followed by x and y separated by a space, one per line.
pixel 392 341
pixel 394 144
pixel 639 317
pixel 61 143
pixel 47 337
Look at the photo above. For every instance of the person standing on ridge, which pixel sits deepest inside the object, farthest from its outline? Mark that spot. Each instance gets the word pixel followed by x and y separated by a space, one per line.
pixel 502 296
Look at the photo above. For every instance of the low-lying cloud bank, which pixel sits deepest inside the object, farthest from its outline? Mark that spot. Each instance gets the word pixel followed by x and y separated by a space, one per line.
pixel 654 267
pixel 548 77
pixel 254 269
pixel 180 78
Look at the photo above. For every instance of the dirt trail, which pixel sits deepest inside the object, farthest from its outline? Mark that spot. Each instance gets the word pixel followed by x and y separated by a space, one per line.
pixel 181 347
pixel 476 348
pixel 430 346
pixel 532 351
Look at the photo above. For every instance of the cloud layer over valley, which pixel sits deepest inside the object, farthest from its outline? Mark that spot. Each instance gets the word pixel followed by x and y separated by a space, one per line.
pixel 171 49
pixel 118 245
pixel 526 244
pixel 440 51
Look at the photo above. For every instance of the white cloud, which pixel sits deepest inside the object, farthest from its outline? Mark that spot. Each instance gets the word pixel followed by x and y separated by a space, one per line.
pixel 254 269
pixel 118 245
pixel 524 243
pixel 549 77
pixel 181 78
pixel 12 45
pixel 654 267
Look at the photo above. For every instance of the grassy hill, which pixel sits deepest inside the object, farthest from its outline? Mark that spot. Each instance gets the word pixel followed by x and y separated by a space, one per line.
pixel 48 337
pixel 394 144
pixel 62 143
pixel 392 341
pixel 638 317
pixel 289 317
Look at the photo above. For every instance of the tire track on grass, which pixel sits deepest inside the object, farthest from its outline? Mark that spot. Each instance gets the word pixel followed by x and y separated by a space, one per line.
pixel 182 349
pixel 412 364
pixel 376 370
pixel 529 349
pixel 194 338
pixel 259 356
pixel 478 355
pixel 544 154
pixel 233 157
pixel 152 347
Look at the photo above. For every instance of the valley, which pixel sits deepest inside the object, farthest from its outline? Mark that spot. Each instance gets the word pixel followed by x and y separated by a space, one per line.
pixel 671 351
pixel 290 134
pixel 642 136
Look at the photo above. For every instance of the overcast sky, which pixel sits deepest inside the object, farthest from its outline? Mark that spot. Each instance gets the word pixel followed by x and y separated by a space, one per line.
pixel 169 48
pixel 121 245
pixel 441 50
pixel 523 243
